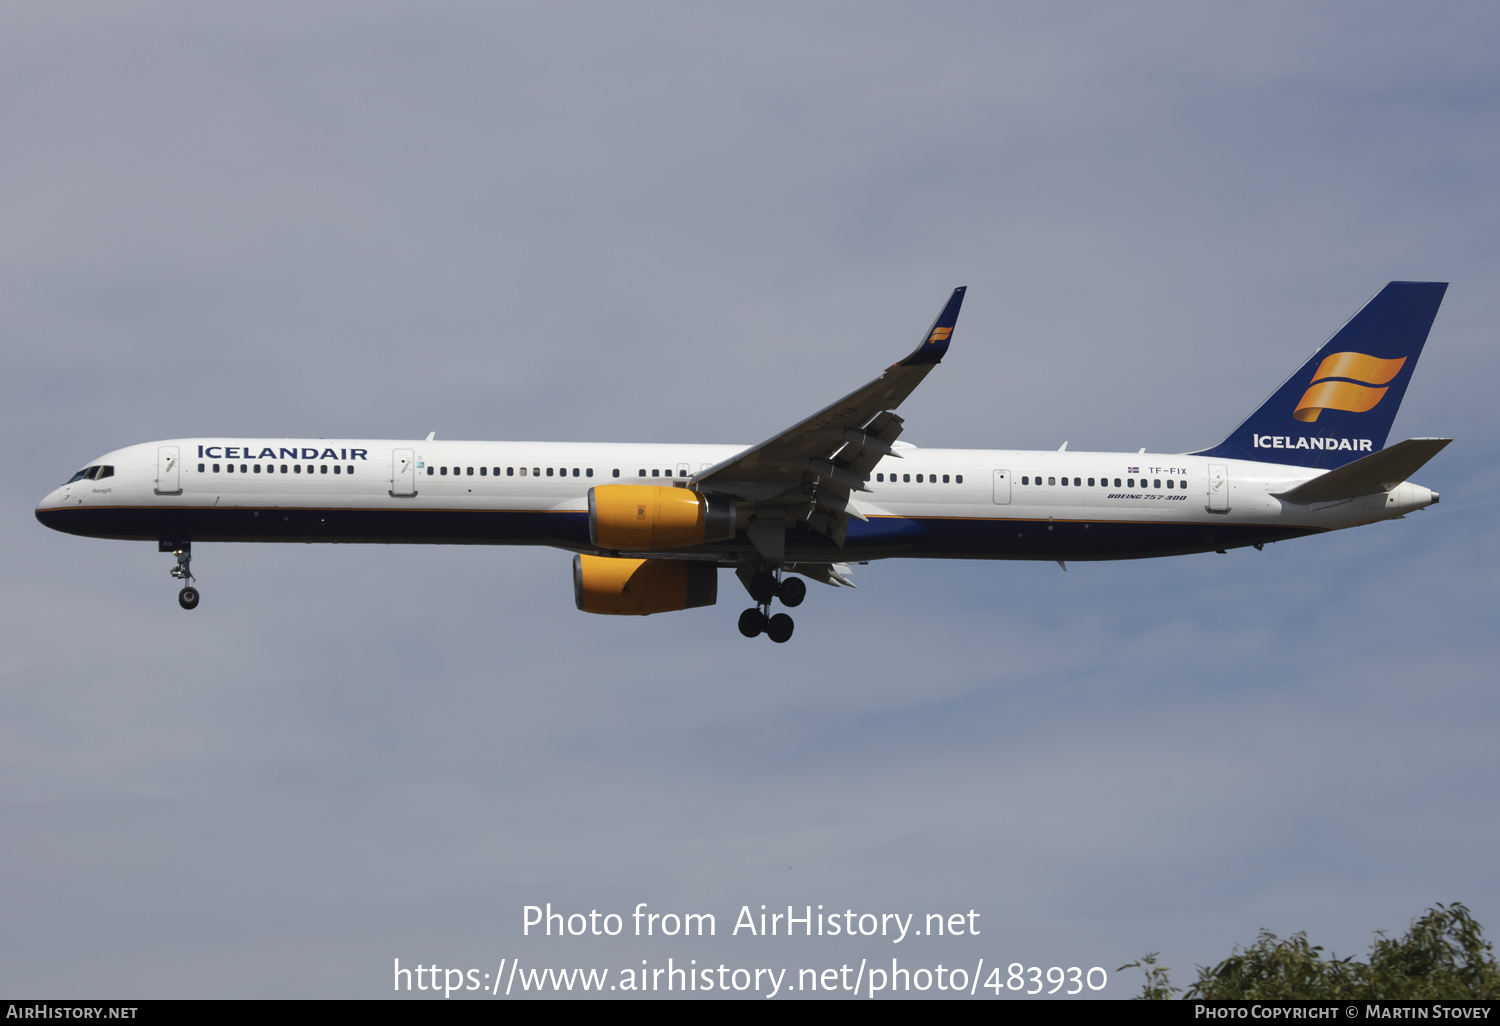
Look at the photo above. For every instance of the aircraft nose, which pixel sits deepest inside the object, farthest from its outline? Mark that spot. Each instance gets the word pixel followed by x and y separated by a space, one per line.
pixel 46 510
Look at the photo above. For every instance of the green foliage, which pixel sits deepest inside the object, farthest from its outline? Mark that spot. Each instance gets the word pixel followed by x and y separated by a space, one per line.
pixel 1158 987
pixel 1443 955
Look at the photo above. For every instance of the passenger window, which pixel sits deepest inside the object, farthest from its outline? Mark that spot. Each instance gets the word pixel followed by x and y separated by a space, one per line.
pixel 1025 479
pixel 588 472
pixel 1117 482
pixel 1156 483
pixel 1091 482
pixel 257 468
pixel 431 471
pixel 643 473
pixel 880 477
pixel 549 471
pixel 200 468
pixel 335 468
pixel 575 471
pixel 655 473
pixel 445 471
pixel 216 468
pixel 322 468
pixel 482 471
pixel 617 472
pixel 523 471
pixel 1130 483
pixel 1181 484
pixel 919 479
pixel 536 471
pixel 906 478
pixel 349 469
pixel 959 479
pixel 1169 482
pixel 229 468
pixel 511 471
pixel 297 468
pixel 945 479
pixel 471 471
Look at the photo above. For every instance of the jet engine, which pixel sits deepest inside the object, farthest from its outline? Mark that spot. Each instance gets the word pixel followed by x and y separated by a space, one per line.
pixel 640 587
pixel 641 517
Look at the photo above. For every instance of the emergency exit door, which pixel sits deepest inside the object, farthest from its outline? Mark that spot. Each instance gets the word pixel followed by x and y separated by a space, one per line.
pixel 168 470
pixel 403 473
pixel 1218 488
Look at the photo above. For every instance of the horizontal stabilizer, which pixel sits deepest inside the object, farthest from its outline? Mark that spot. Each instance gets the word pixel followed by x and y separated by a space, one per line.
pixel 1378 472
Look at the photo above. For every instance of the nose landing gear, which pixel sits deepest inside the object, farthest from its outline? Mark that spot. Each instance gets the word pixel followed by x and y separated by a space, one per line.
pixel 187 598
pixel 764 586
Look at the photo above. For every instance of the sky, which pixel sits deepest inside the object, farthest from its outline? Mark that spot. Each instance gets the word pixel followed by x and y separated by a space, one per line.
pixel 684 222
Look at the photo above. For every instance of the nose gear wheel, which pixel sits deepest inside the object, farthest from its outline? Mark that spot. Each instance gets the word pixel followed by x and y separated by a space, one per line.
pixel 187 598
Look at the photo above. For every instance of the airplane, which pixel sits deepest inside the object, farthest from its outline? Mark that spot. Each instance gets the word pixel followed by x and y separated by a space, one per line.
pixel 650 525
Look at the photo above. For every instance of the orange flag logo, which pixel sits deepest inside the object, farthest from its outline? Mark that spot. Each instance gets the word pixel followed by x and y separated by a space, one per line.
pixel 1360 394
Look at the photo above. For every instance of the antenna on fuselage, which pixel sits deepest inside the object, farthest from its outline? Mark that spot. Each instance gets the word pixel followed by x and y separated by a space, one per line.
pixel 433 434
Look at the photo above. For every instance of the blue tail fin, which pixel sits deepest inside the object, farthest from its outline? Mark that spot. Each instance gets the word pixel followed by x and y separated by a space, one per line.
pixel 1340 404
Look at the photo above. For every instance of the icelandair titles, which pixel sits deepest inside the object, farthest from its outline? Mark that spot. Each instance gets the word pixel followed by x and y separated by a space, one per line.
pixel 237 452
pixel 1302 442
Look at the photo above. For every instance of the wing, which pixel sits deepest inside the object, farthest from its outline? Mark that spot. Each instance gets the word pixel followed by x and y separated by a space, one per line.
pixel 809 471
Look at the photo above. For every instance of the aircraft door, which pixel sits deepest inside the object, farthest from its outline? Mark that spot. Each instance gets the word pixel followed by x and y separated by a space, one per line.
pixel 1002 487
pixel 1218 488
pixel 168 470
pixel 403 473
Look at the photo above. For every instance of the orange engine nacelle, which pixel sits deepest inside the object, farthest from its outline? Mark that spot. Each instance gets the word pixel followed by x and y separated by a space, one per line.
pixel 635 518
pixel 640 587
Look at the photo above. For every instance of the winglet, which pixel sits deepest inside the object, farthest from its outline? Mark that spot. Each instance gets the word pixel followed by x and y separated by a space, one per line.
pixel 935 342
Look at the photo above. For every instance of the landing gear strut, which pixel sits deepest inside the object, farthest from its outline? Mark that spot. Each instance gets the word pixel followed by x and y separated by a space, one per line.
pixel 764 586
pixel 187 598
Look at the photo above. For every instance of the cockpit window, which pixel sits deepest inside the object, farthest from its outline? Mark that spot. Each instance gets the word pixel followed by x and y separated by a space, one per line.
pixel 86 472
pixel 105 471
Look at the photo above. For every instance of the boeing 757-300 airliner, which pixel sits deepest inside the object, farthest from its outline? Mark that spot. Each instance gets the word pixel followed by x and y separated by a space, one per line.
pixel 651 525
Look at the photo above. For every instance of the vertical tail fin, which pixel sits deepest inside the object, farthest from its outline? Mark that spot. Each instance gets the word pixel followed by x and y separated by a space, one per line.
pixel 1340 404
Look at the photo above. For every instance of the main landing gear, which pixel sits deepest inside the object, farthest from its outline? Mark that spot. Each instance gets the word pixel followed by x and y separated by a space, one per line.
pixel 187 598
pixel 763 587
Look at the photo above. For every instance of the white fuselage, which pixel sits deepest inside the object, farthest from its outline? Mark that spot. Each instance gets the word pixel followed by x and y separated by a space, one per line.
pixel 964 502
